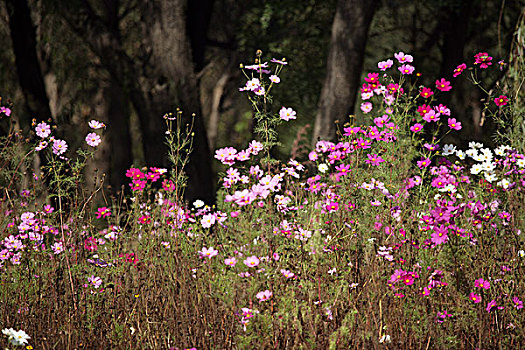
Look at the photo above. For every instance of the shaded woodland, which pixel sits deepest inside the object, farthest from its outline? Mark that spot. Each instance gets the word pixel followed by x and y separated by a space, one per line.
pixel 128 62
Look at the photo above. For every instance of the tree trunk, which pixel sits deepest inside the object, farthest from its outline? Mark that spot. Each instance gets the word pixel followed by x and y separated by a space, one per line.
pixel 157 86
pixel 23 36
pixel 345 62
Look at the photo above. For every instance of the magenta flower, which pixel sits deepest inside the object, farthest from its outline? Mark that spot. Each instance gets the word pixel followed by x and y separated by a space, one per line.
pixel 374 159
pixel 93 139
pixel 423 163
pixel 439 237
pixel 483 59
pixel 490 305
pixel 443 85
pixel 263 296
pixel 103 212
pixel 481 283
pixel 416 127
pixel 518 304
pixel 5 110
pixel 475 298
pixel 332 207
pixel 287 273
pixel 459 69
pixel 454 124
pixel 501 101
pixel 426 92
pixel 287 114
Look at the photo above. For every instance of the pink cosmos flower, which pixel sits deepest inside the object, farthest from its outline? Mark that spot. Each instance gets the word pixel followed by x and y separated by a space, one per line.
pixel 263 296
pixel 402 58
pixel 423 163
pixel 287 114
pixel 481 283
pixel 208 220
pixel 459 69
pixel 374 159
pixel 518 304
pixel 57 248
pixel 501 101
pixel 454 124
pixel 483 59
pixel 416 127
pixel 43 130
pixel 287 273
pixel 103 212
pixel 384 65
pixel 443 85
pixel 42 144
pixel 59 147
pixel 5 110
pixel 93 139
pixel 93 124
pixel 275 79
pixel 366 107
pixel 230 261
pixel 138 185
pixel 168 185
pixel 490 305
pixel 475 298
pixel 252 261
pixel 431 116
pixel 208 253
pixel 406 69
pixel 96 282
pixel 426 92
pixel 372 78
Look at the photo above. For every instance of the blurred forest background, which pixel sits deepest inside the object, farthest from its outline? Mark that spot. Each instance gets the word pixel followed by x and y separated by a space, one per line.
pixel 128 62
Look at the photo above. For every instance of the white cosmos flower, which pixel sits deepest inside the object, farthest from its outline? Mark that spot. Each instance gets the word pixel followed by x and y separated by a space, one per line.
pixel 472 152
pixel 488 166
pixel 490 176
pixel 473 144
pixel 476 169
pixel 448 150
pixel 323 168
pixel 504 183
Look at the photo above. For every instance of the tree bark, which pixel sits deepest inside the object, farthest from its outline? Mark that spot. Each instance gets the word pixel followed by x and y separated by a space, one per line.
pixel 345 63
pixel 23 36
pixel 156 86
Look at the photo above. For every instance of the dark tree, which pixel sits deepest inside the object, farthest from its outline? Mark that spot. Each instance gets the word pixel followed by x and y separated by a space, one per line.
pixel 158 82
pixel 28 69
pixel 345 62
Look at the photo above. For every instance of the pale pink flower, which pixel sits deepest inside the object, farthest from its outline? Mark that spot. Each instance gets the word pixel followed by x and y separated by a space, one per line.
pixel 263 296
pixel 208 252
pixel 59 147
pixel 252 261
pixel 93 124
pixel 43 130
pixel 93 139
pixel 287 114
